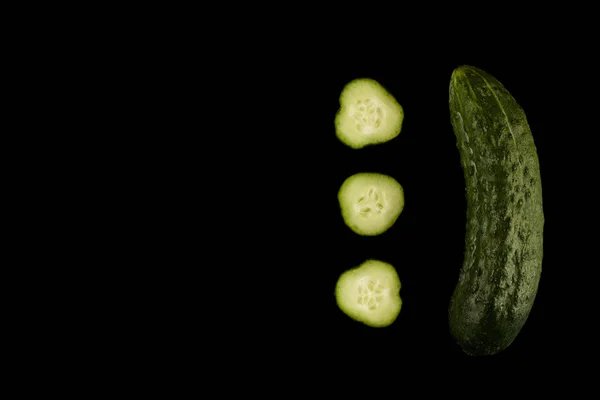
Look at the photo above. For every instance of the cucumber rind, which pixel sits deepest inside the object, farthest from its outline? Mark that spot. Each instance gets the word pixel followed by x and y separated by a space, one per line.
pixel 385 279
pixel 346 126
pixel 358 185
pixel 501 270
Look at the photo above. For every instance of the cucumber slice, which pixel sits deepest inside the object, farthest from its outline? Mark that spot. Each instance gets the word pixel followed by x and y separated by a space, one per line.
pixel 368 114
pixel 370 202
pixel 370 293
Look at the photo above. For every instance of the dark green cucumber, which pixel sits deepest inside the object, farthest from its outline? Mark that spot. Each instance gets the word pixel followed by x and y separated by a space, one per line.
pixel 502 265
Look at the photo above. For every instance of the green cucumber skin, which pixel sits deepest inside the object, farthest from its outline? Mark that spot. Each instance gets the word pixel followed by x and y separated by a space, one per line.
pixel 502 265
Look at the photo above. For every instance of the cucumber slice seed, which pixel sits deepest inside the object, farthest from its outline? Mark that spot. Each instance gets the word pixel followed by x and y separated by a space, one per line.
pixel 368 114
pixel 370 293
pixel 370 202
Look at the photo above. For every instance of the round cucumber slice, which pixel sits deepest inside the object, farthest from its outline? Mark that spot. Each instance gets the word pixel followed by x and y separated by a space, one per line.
pixel 370 293
pixel 368 114
pixel 370 202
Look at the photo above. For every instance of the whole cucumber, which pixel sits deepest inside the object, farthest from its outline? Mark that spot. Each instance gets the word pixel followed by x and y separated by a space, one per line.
pixel 502 264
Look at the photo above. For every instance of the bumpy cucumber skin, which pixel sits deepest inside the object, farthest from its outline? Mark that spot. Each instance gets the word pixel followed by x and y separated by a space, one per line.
pixel 502 265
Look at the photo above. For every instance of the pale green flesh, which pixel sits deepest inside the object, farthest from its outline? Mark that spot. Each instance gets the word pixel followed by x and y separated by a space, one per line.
pixel 370 202
pixel 368 114
pixel 370 293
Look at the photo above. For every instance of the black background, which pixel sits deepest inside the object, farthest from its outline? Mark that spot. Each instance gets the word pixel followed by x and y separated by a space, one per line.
pixel 282 243
pixel 313 246
pixel 281 236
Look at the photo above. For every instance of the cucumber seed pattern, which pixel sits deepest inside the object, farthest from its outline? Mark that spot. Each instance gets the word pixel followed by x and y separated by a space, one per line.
pixel 370 293
pixel 367 115
pixel 371 202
